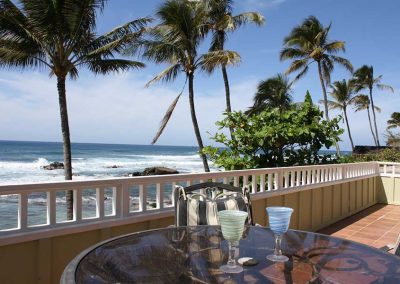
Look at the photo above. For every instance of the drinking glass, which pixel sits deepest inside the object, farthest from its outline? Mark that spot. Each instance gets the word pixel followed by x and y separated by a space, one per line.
pixel 279 219
pixel 232 225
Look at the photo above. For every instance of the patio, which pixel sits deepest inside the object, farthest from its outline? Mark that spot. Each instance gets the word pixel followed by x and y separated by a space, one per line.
pixel 375 226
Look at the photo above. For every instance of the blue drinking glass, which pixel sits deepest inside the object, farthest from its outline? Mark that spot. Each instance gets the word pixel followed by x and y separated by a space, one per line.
pixel 279 219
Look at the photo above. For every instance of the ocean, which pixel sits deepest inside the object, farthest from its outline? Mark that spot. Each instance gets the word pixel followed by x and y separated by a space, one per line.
pixel 22 162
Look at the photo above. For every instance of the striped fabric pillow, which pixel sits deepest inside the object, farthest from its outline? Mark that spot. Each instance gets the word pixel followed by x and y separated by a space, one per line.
pixel 198 209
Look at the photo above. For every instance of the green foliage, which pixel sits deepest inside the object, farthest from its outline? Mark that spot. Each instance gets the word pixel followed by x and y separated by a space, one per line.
pixel 275 92
pixel 385 155
pixel 273 138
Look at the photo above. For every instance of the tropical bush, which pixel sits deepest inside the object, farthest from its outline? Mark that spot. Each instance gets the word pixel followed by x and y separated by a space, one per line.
pixel 273 138
pixel 385 155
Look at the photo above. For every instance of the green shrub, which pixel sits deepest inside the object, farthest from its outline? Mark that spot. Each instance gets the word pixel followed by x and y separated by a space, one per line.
pixel 274 138
pixel 385 155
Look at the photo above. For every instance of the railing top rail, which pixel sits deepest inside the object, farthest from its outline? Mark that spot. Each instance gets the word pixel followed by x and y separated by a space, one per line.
pixel 389 163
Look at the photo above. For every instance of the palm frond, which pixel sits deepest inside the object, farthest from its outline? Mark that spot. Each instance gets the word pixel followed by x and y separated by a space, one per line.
pixel 332 104
pixel 166 118
pixel 214 59
pixel 169 74
pixel 248 17
pixel 297 65
pixel 106 66
pixel 342 62
pixel 335 47
pixel 292 53
pixel 385 87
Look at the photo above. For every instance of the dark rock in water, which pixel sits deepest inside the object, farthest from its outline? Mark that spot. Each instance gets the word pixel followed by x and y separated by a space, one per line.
pixel 159 171
pixel 154 171
pixel 113 167
pixel 54 166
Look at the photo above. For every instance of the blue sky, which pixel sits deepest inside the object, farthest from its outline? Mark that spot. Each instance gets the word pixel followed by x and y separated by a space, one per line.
pixel 118 109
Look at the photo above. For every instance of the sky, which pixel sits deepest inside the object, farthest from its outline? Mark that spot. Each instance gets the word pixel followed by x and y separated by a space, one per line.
pixel 119 109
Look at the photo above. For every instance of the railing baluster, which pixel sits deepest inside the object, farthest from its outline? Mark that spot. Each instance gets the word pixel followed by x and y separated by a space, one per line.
pixel 292 178
pixel 270 182
pixel 51 207
pixel 142 198
pixel 173 190
pixel 23 211
pixel 253 184
pixel 245 180
pixel 236 181
pixel 262 182
pixel 125 199
pixel 100 202
pixel 160 196
pixel 77 205
pixel 286 179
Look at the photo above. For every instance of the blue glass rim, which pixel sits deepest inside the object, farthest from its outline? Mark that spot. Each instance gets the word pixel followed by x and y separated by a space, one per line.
pixel 279 209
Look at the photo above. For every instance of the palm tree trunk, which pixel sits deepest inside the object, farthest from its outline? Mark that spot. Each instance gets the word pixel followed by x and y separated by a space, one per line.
pixel 373 112
pixel 370 125
pixel 195 124
pixel 321 79
pixel 227 94
pixel 62 100
pixel 348 128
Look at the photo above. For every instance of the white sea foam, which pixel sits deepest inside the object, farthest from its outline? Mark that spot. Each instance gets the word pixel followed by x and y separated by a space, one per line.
pixel 15 172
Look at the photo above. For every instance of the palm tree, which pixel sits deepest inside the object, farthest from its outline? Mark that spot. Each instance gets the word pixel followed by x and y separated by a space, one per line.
pixel 274 92
pixel 362 102
pixel 60 36
pixel 308 43
pixel 364 79
pixel 342 96
pixel 175 41
pixel 394 120
pixel 223 22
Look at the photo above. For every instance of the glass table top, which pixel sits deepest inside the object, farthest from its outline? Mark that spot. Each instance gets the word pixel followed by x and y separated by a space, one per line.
pixel 194 254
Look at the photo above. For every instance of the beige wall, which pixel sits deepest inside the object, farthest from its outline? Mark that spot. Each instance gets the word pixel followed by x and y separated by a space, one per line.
pixel 43 261
pixel 388 189
pixel 317 208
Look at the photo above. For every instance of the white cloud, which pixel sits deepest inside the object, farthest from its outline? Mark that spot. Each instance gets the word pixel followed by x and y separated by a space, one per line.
pixel 113 109
pixel 118 109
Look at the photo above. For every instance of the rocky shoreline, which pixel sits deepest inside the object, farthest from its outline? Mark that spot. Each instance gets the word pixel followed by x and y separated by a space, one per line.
pixel 151 171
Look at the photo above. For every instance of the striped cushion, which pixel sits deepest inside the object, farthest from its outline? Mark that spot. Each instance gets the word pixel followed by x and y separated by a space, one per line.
pixel 198 209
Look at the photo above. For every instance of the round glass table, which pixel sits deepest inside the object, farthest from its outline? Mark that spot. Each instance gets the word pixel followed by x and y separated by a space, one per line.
pixel 194 254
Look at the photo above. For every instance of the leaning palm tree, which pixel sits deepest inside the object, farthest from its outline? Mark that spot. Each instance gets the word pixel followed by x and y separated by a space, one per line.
pixel 274 92
pixel 394 120
pixel 223 22
pixel 364 79
pixel 342 97
pixel 60 35
pixel 175 41
pixel 309 43
pixel 362 102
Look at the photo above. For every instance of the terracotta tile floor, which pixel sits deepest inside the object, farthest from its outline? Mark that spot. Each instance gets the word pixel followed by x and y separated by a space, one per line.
pixel 375 226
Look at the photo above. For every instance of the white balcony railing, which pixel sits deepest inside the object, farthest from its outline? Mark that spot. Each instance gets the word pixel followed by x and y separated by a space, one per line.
pixel 101 203
pixel 389 169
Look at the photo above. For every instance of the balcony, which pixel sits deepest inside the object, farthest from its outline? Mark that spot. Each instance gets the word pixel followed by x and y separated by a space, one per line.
pixel 320 195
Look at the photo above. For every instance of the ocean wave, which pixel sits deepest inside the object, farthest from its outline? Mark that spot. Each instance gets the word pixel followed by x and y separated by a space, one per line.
pixel 15 172
pixel 40 162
